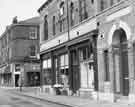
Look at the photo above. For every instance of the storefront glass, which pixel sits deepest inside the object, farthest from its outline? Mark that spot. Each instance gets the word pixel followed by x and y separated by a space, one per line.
pixel 47 72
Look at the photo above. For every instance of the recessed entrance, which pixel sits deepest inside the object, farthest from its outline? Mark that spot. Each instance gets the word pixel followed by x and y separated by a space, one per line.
pixel 120 55
pixel 17 80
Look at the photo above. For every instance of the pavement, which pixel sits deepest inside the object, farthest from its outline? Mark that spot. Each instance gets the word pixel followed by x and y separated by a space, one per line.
pixel 71 101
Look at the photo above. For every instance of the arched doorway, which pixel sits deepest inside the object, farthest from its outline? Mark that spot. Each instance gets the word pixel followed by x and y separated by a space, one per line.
pixel 120 56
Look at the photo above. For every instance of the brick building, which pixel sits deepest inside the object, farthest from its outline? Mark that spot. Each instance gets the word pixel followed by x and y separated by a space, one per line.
pixel 19 46
pixel 87 48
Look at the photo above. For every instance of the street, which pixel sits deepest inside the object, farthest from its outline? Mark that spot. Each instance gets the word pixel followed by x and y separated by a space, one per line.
pixel 10 99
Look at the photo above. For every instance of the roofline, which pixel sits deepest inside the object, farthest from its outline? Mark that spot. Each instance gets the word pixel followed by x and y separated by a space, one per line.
pixel 14 25
pixel 44 5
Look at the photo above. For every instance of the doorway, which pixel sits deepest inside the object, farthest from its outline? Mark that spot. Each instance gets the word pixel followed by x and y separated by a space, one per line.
pixel 120 55
pixel 17 80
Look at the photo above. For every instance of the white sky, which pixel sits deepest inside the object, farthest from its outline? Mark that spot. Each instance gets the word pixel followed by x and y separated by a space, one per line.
pixel 23 9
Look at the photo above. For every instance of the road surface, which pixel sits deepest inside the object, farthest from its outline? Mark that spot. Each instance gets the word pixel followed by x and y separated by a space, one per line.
pixel 10 99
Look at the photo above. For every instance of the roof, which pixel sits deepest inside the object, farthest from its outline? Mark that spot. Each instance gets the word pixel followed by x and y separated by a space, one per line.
pixel 30 21
pixel 33 20
pixel 44 5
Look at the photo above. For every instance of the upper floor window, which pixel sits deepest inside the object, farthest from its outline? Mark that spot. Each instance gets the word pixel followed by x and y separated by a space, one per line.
pixel 33 33
pixel 102 5
pixel 72 13
pixel 61 23
pixel 54 32
pixel 62 8
pixel 83 12
pixel 33 51
pixel 111 2
pixel 45 28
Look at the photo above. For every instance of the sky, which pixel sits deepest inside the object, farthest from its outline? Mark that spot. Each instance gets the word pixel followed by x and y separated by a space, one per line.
pixel 23 9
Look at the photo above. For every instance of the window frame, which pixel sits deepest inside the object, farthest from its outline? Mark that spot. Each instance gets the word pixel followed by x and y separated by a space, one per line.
pixel 33 49
pixel 45 28
pixel 33 31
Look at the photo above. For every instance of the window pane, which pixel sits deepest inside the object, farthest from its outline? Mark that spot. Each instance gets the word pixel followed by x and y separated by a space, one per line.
pixel 44 64
pixel 66 60
pixel 32 51
pixel 62 60
pixel 49 63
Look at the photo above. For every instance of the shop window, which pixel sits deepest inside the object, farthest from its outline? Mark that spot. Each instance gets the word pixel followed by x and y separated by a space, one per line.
pixel 83 12
pixel 106 65
pixel 74 58
pixel 54 32
pixel 60 25
pixel 64 65
pixel 85 53
pixel 33 33
pixel 56 69
pixel 119 0
pixel 72 13
pixel 47 72
pixel 33 51
pixel 45 28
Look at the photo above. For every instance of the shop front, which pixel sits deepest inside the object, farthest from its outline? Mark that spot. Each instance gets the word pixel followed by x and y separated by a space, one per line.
pixel 32 74
pixel 61 71
pixel 6 76
pixel 83 74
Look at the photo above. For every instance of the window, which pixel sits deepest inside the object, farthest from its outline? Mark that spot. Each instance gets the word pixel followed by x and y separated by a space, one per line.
pixel 102 5
pixel 85 53
pixel 33 51
pixel 61 23
pixel 106 65
pixel 72 13
pixel 54 32
pixel 111 2
pixel 92 1
pixel 47 64
pixel 33 33
pixel 45 28
pixel 83 12
pixel 17 67
pixel 61 9
pixel 64 65
pixel 61 68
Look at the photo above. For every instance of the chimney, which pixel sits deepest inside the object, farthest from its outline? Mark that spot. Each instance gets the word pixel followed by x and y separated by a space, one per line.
pixel 15 21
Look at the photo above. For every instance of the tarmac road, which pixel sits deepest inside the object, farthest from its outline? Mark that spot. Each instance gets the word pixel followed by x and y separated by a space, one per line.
pixel 9 99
